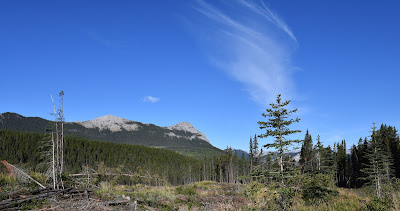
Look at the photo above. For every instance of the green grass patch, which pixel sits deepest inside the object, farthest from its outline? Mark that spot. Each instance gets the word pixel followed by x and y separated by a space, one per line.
pixel 7 179
pixel 188 190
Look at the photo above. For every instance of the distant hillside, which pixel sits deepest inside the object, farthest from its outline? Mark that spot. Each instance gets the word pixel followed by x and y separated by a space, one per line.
pixel 182 137
pixel 26 149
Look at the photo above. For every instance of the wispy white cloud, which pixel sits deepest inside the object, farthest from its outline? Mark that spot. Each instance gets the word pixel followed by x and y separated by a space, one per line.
pixel 151 99
pixel 271 16
pixel 254 52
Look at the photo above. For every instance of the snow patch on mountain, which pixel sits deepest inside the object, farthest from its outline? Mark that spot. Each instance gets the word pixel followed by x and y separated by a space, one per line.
pixel 187 128
pixel 110 122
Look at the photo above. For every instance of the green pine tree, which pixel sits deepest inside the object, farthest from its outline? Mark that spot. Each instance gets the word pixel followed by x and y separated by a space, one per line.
pixel 306 153
pixel 319 150
pixel 277 126
pixel 256 152
pixel 378 163
pixel 251 154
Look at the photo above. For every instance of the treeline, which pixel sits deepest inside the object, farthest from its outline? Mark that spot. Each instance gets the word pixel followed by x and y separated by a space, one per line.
pixel 226 168
pixel 377 156
pixel 27 149
pixel 160 166
pixel 374 158
pixel 152 166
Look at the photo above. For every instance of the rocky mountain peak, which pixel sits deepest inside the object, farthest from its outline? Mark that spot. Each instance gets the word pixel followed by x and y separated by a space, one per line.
pixel 110 122
pixel 187 127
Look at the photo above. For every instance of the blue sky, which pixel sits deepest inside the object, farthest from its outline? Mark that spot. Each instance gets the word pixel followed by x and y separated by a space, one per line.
pixel 216 64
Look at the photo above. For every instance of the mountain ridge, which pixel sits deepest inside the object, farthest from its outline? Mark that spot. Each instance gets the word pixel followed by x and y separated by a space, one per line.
pixel 182 137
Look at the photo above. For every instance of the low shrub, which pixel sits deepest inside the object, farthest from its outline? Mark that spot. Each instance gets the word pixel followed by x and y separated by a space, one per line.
pixel 105 187
pixel 317 194
pixel 188 190
pixel 380 204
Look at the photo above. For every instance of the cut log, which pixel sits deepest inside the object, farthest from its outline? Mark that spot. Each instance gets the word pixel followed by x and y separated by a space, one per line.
pixel 116 203
pixel 15 202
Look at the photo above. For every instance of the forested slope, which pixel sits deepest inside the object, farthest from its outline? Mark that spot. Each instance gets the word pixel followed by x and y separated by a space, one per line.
pixel 27 149
pixel 146 134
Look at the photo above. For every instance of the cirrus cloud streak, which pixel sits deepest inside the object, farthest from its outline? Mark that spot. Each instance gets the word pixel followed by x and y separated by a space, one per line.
pixel 254 47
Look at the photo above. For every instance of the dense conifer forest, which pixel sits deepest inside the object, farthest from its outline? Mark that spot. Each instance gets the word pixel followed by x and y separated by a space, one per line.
pixel 28 150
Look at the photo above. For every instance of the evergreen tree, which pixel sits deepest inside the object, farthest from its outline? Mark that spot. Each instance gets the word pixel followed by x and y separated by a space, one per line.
pixel 251 154
pixel 328 164
pixel 256 152
pixel 243 168
pixel 362 150
pixel 306 153
pixel 378 163
pixel 235 166
pixel 342 165
pixel 389 138
pixel 355 165
pixel 318 149
pixel 277 126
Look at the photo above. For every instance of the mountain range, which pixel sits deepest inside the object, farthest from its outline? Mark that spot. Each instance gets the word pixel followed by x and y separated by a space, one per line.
pixel 182 137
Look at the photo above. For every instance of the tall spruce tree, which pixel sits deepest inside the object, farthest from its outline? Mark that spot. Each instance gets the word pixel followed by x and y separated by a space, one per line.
pixel 342 175
pixel 256 152
pixel 277 126
pixel 319 150
pixel 378 162
pixel 306 153
pixel 355 165
pixel 389 138
pixel 362 149
pixel 251 153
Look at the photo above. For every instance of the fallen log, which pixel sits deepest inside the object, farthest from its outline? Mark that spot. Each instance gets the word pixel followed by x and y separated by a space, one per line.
pixel 116 203
pixel 45 190
pixel 15 202
pixel 17 171
pixel 108 174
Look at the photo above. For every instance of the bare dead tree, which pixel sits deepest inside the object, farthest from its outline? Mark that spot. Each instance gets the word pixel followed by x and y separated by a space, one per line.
pixel 61 137
pixel 54 161
pixel 61 118
pixel 57 140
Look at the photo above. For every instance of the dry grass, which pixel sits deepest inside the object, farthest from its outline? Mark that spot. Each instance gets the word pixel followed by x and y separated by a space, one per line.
pixel 216 196
pixel 396 201
pixel 209 195
pixel 346 200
